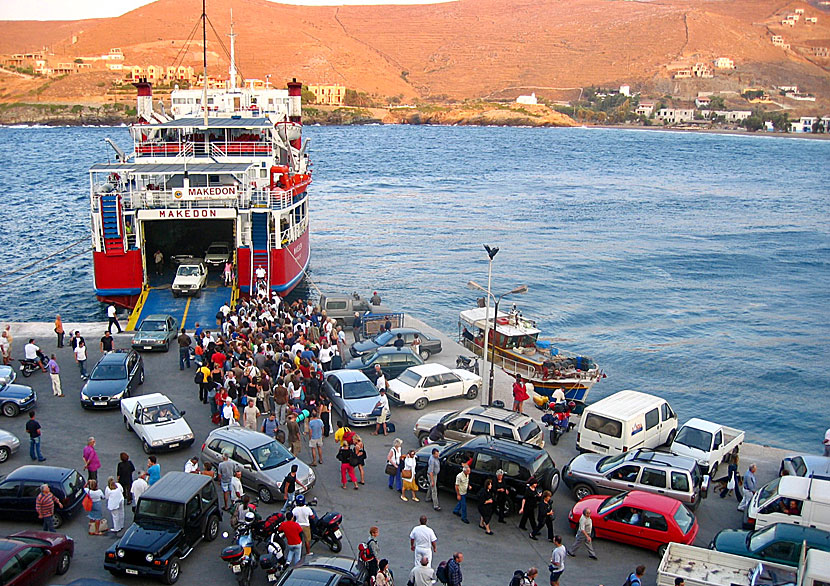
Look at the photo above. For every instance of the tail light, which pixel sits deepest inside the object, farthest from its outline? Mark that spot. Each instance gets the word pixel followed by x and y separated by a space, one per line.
pixel 625 449
pixel 203 446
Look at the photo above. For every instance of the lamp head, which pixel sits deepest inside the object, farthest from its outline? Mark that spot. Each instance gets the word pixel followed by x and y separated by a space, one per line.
pixel 491 252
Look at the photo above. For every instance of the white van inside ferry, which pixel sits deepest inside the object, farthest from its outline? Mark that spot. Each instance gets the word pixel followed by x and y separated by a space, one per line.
pixel 626 421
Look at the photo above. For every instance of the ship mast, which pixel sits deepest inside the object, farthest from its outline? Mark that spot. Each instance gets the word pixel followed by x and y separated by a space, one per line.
pixel 232 69
pixel 204 62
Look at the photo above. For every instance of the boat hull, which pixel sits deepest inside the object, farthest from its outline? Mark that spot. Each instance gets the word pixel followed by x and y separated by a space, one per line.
pixel 288 266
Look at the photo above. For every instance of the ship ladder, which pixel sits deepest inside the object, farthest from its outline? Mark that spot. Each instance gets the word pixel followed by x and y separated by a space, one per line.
pixel 111 223
pixel 260 249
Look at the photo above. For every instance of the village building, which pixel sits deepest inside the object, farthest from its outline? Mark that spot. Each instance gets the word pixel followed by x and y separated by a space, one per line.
pixel 329 95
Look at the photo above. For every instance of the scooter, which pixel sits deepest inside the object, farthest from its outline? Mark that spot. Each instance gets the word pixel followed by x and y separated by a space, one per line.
pixel 558 422
pixel 242 557
pixel 274 562
pixel 325 528
pixel 28 366
pixel 467 363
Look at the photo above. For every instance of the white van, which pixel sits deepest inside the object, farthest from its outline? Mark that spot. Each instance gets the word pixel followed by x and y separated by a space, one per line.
pixel 791 499
pixel 625 421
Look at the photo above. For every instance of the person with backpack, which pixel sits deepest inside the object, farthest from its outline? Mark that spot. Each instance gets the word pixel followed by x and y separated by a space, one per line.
pixel 522 578
pixel 635 578
pixel 454 576
pixel 204 379
pixel 369 553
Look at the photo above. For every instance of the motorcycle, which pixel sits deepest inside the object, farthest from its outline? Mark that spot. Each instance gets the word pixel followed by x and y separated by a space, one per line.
pixel 274 562
pixel 324 529
pixel 559 421
pixel 28 366
pixel 242 557
pixel 467 363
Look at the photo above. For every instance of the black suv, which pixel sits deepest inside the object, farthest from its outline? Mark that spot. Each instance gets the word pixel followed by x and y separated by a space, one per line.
pixel 520 461
pixel 175 514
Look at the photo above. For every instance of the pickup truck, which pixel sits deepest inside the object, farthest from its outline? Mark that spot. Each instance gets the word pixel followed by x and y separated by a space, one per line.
pixel 708 443
pixel 343 307
pixel 157 422
pixel 705 567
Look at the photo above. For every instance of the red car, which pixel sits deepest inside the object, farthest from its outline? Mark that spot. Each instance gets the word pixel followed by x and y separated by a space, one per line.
pixel 638 518
pixel 31 558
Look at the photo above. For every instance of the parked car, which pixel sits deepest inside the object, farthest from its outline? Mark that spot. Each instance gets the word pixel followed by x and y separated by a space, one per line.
pixel 418 385
pixel 171 518
pixel 217 254
pixel 429 345
pixel 807 466
pixel 264 462
pixel 326 571
pixel 343 307
pixel 481 420
pixel 646 470
pixel 115 376
pixel 709 443
pixel 779 543
pixel 156 332
pixel 191 277
pixel 519 461
pixel 9 444
pixel 31 558
pixel 393 361
pixel 14 398
pixel 796 500
pixel 19 489
pixel 651 521
pixel 157 422
pixel 353 397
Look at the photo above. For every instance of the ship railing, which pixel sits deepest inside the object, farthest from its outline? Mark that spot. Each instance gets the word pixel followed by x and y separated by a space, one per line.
pixel 165 199
pixel 289 234
pixel 234 148
pixel 273 199
pixel 499 361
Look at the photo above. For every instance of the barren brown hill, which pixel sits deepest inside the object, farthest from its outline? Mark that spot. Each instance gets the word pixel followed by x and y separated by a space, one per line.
pixel 464 49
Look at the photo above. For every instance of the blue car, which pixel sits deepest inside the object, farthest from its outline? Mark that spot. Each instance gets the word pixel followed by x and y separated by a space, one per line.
pixel 19 490
pixel 14 398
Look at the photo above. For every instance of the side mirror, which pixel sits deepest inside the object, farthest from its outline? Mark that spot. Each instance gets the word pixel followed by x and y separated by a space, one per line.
pixel 182 413
pixel 136 421
pixel 247 467
pixel 704 487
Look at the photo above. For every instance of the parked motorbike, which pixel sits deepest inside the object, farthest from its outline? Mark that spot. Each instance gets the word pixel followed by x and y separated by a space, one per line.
pixel 274 562
pixel 242 557
pixel 28 366
pixel 325 528
pixel 558 420
pixel 467 363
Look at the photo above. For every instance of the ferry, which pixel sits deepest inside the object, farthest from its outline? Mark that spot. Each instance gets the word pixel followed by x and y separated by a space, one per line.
pixel 220 166
pixel 515 347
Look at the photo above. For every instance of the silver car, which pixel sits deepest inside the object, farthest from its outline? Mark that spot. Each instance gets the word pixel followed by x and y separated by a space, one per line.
pixel 809 466
pixel 353 397
pixel 9 444
pixel 264 462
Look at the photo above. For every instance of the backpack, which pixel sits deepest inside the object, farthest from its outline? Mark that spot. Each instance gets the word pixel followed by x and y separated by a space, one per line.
pixel 199 378
pixel 364 553
pixel 442 573
pixel 518 577
pixel 632 580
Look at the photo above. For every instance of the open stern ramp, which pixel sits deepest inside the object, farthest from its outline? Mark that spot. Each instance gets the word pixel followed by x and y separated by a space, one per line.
pixel 186 310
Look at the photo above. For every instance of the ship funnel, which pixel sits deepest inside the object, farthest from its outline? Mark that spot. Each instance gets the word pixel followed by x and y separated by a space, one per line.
pixel 144 100
pixel 295 107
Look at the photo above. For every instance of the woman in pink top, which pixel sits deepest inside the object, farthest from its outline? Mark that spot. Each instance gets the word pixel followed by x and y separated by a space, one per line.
pixel 91 461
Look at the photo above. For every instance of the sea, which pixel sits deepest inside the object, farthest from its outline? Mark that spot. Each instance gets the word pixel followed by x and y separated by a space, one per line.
pixel 692 266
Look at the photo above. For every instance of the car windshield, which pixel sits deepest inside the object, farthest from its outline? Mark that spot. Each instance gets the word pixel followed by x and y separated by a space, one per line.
pixel 359 390
pixel 409 378
pixel 529 430
pixel 159 414
pixel 152 326
pixel 73 483
pixel 382 338
pixel 768 490
pixel 271 455
pixel 758 540
pixel 217 250
pixel 109 372
pixel 684 519
pixel 611 502
pixel 160 510
pixel 448 416
pixel 609 462
pixel 694 438
pixel 187 271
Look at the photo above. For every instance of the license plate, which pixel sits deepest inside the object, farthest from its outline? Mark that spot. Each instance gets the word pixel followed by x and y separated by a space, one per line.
pixel 132 572
pixel 176 445
pixel 236 569
pixel 100 403
pixel 148 347
pixel 272 577
pixel 338 534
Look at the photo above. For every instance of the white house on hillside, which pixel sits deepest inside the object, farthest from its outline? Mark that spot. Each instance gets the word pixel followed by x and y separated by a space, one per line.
pixel 530 100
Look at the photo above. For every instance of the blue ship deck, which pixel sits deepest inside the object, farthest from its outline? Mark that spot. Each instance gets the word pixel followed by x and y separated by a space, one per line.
pixel 187 310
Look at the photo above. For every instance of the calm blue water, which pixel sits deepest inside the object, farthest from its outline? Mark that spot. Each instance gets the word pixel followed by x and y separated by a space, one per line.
pixel 692 266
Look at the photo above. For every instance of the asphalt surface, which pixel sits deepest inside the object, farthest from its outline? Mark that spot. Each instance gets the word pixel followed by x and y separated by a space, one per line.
pixel 488 560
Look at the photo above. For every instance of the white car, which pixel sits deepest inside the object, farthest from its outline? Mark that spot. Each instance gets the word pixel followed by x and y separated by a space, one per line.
pixel 217 254
pixel 190 278
pixel 155 419
pixel 418 385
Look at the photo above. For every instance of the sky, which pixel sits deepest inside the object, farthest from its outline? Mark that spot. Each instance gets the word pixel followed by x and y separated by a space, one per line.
pixel 78 9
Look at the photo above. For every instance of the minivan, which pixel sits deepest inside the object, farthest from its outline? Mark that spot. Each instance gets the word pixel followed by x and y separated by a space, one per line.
pixel 625 421
pixel 19 490
pixel 795 500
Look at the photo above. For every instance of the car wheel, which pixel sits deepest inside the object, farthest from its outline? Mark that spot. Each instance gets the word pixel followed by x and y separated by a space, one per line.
pixel 554 482
pixel 199 293
pixel 167 346
pixel 472 392
pixel 714 470
pixel 425 354
pixel 335 545
pixel 57 521
pixel 146 447
pixel 212 529
pixel 661 551
pixel 172 573
pixel 671 437
pixel 580 491
pixel 421 403
pixel 141 377
pixel 422 480
pixel 265 494
pixel 5 452
pixel 422 438
pixel 10 409
pixel 63 563
pixel 127 425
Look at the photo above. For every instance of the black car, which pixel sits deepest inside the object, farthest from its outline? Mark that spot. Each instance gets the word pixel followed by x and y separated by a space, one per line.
pixel 14 398
pixel 429 345
pixel 19 490
pixel 393 361
pixel 115 376
pixel 520 461
pixel 173 515
pixel 326 571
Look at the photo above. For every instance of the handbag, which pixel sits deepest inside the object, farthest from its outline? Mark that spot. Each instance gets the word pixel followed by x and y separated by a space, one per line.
pixel 405 473
pixel 731 484
pixel 391 469
pixel 87 503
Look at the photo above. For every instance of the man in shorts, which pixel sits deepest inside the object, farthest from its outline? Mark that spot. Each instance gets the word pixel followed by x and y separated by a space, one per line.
pixel 226 470
pixel 557 560
pixel 383 403
pixel 315 442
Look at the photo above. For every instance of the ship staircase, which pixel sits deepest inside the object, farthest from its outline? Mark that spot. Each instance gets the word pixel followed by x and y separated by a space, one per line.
pixel 112 224
pixel 260 247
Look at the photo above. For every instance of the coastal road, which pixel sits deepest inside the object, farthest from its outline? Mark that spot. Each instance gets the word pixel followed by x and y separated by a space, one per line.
pixel 489 560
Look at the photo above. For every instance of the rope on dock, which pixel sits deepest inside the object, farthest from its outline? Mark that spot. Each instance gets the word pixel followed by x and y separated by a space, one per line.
pixel 23 268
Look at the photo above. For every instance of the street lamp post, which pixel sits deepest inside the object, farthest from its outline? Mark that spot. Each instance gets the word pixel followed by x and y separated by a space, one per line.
pixel 486 383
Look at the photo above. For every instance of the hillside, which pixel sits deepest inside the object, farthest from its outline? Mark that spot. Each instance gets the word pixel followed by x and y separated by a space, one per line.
pixel 466 49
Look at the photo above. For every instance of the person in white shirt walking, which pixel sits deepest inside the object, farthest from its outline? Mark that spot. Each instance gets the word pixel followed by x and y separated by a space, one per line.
pixel 557 560
pixel 583 535
pixel 112 316
pixel 236 485
pixel 423 542
pixel 80 358
pixel 114 493
pixel 303 516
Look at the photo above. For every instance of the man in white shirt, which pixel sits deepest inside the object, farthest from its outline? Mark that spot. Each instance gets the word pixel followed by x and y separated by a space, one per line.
pixel 422 574
pixel 557 396
pixel 303 515
pixel 112 316
pixel 423 541
pixel 827 443
pixel 236 485
pixel 192 465
pixel 30 351
pixel 139 487
pixel 383 403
